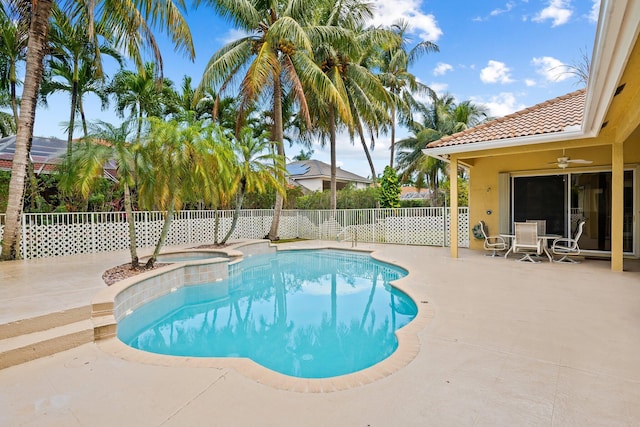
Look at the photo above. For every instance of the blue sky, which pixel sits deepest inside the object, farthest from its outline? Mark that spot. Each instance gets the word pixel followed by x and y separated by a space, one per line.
pixel 505 54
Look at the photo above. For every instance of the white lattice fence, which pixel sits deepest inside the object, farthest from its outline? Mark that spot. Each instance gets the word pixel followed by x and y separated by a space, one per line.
pixel 2 219
pixel 46 235
pixel 463 227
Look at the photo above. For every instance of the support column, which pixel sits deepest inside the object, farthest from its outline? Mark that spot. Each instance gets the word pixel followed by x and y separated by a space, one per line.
pixel 453 200
pixel 617 205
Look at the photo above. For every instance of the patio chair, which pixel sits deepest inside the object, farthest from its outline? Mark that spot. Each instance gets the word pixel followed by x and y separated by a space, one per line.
pixel 542 225
pixel 567 246
pixel 492 243
pixel 526 241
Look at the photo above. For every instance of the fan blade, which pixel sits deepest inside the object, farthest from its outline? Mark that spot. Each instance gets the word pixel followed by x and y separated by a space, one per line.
pixel 581 161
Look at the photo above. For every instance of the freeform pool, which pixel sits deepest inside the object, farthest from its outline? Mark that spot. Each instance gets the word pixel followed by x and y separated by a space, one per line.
pixel 308 314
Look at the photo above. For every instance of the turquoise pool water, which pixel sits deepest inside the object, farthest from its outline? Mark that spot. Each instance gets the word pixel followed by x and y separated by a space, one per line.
pixel 308 314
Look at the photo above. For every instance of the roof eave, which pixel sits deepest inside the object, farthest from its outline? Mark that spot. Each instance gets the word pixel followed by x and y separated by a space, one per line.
pixel 505 143
pixel 613 43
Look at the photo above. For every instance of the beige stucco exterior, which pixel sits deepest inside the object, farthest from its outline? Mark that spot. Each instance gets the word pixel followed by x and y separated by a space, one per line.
pixel 609 136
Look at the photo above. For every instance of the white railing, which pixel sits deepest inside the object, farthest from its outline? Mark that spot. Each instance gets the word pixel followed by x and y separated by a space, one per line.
pixel 60 234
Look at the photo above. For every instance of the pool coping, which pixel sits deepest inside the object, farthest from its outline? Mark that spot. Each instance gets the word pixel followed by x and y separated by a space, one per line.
pixel 408 339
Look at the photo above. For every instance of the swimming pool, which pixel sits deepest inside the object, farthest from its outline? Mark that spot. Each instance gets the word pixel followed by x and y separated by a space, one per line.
pixel 308 314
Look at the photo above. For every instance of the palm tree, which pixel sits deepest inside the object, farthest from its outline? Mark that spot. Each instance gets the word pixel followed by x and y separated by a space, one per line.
pixel 138 95
pixel 73 67
pixel 342 62
pixel 275 54
pixel 256 169
pixel 130 23
pixel 395 76
pixel 442 117
pixel 86 164
pixel 179 161
pixel 13 50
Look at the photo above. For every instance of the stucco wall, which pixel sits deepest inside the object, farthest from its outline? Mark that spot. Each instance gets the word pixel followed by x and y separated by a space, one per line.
pixel 484 174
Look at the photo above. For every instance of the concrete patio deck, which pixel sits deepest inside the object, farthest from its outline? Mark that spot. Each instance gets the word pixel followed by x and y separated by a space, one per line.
pixel 510 344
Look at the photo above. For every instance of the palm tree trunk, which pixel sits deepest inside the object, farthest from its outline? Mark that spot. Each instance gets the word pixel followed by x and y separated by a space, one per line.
pixel 72 117
pixel 332 138
pixel 278 138
pixel 133 242
pixel 216 227
pixel 168 217
pixel 393 135
pixel 33 76
pixel 367 152
pixel 236 213
pixel 83 117
pixel 14 98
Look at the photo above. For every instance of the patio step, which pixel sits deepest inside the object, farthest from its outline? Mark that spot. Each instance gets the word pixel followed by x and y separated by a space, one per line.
pixel 44 322
pixel 30 339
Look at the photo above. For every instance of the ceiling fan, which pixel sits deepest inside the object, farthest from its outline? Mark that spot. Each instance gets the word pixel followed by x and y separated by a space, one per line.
pixel 564 161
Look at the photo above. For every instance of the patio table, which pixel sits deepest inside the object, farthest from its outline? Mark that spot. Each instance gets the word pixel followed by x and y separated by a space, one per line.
pixel 545 243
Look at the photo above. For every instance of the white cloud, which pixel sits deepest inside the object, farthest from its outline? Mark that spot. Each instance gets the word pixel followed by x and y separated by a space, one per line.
pixel 498 11
pixel 558 11
pixel 500 105
pixel 530 82
pixel 390 11
pixel 495 72
pixel 439 88
pixel 552 69
pixel 232 35
pixel 442 69
pixel 595 11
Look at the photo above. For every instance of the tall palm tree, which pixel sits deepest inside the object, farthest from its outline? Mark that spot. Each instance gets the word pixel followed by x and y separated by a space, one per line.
pixel 73 58
pixel 275 54
pixel 256 169
pixel 132 26
pixel 86 164
pixel 402 84
pixel 341 60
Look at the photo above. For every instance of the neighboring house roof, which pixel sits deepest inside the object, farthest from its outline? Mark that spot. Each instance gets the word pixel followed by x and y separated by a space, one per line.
pixel 555 115
pixel 308 169
pixel 46 154
pixel 43 150
pixel 412 193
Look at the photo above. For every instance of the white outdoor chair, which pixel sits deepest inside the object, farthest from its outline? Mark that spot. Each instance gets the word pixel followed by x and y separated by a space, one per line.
pixel 567 246
pixel 492 243
pixel 526 240
pixel 542 225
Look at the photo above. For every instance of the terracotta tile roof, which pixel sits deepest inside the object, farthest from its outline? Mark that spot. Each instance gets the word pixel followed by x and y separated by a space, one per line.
pixel 551 116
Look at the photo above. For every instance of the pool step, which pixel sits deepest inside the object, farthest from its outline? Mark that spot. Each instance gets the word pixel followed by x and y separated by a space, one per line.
pixel 32 339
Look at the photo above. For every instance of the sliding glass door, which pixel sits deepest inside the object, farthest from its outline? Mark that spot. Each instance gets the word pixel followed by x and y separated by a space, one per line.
pixel 591 199
pixel 563 200
pixel 541 198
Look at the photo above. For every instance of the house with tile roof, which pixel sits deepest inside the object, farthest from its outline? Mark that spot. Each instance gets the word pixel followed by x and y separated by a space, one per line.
pixel 573 157
pixel 46 155
pixel 314 175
